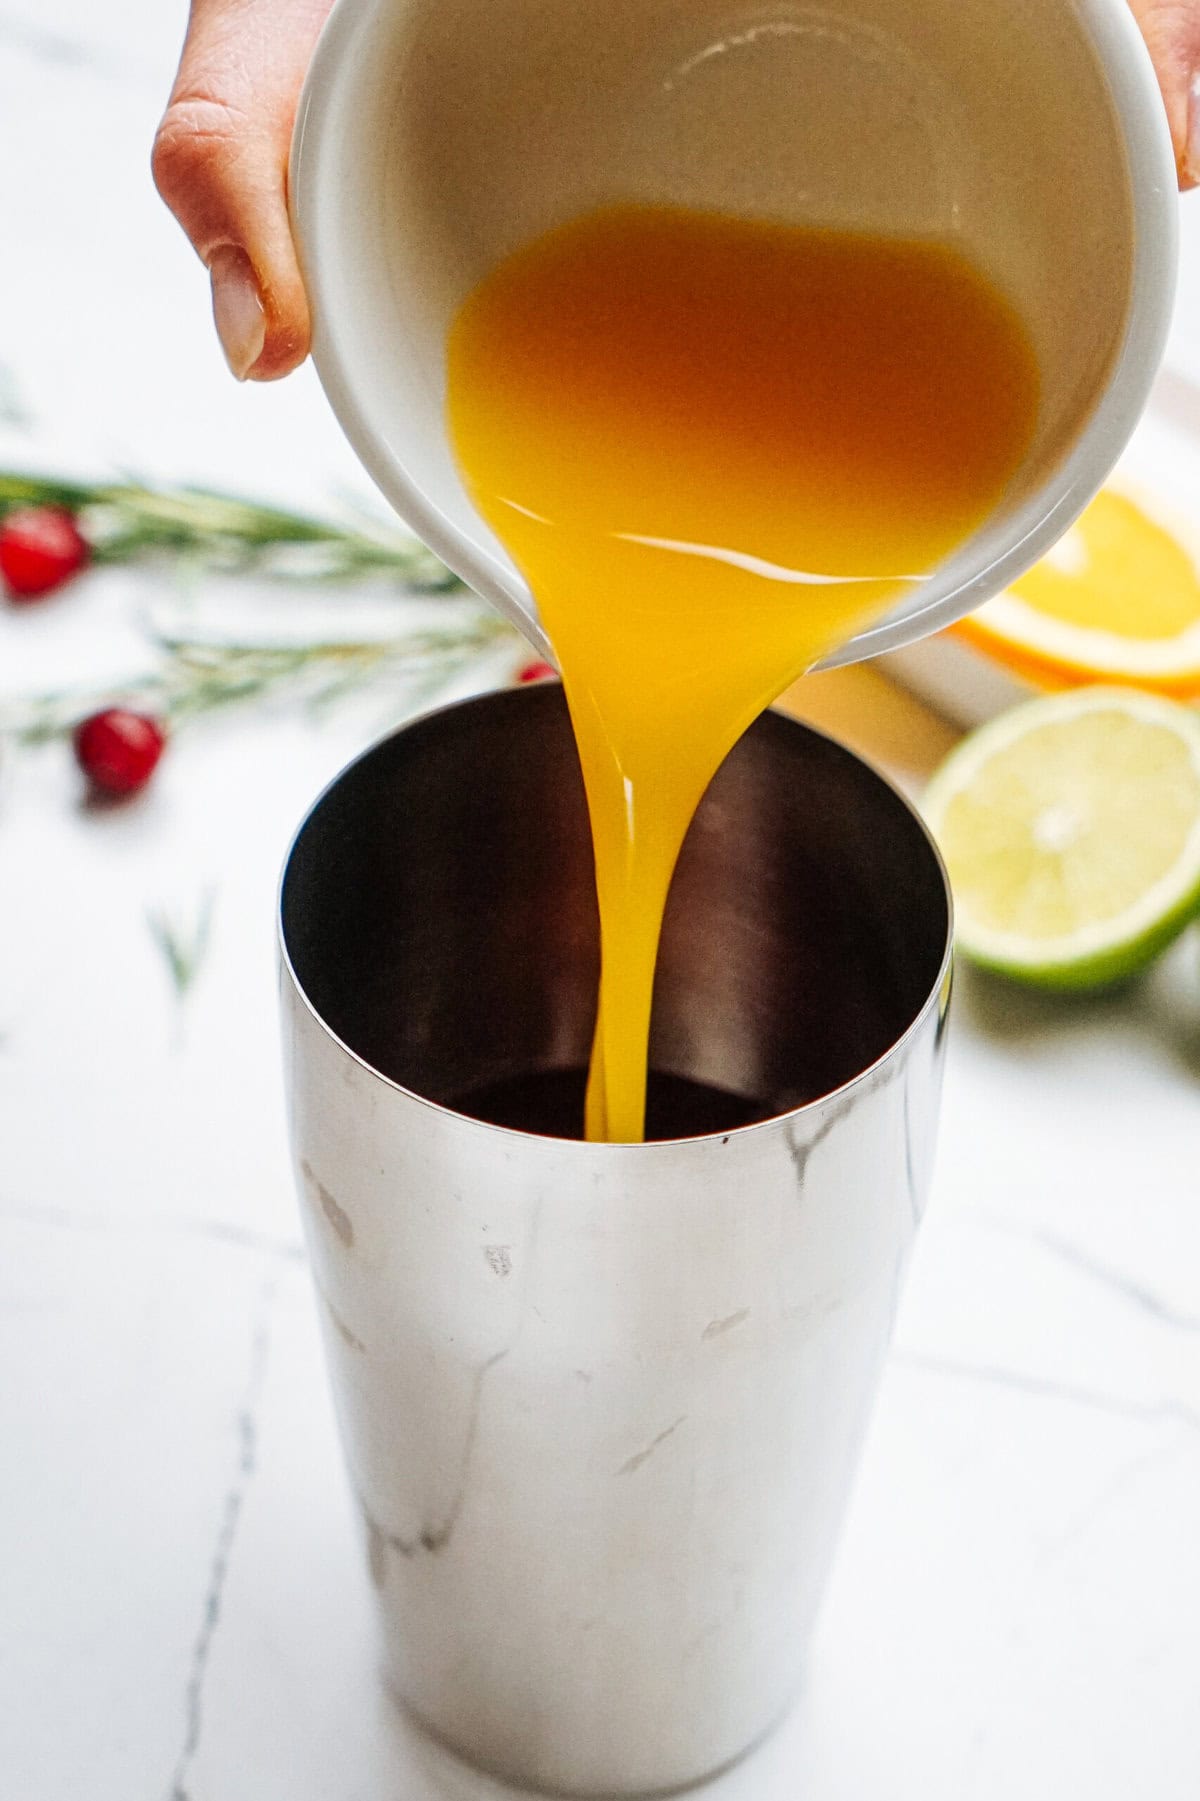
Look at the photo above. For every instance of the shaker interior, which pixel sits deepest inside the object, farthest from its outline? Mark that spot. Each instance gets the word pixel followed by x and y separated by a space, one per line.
pixel 439 911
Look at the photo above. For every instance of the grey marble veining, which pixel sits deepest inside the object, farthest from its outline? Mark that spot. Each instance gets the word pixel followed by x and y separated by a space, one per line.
pixel 186 1612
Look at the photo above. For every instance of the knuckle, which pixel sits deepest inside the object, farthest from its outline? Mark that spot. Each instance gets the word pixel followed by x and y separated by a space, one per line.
pixel 1171 23
pixel 197 138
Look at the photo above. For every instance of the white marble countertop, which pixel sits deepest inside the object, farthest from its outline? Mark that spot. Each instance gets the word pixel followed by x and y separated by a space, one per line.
pixel 1014 1609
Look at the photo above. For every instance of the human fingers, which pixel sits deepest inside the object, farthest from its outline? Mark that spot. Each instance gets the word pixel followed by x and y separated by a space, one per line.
pixel 1171 29
pixel 220 163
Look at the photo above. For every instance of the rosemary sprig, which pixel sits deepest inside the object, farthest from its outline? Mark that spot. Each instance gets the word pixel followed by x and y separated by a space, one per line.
pixel 183 942
pixel 195 675
pixel 124 521
pixel 189 673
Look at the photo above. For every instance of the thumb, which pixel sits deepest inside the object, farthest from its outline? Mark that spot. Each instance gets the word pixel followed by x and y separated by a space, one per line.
pixel 1171 29
pixel 220 163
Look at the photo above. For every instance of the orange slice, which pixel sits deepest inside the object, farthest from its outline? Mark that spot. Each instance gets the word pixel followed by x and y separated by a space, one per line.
pixel 1116 600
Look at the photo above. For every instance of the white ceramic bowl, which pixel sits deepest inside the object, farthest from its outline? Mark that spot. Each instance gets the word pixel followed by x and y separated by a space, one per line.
pixel 435 136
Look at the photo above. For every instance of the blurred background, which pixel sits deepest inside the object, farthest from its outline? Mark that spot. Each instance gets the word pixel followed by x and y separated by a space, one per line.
pixel 182 1607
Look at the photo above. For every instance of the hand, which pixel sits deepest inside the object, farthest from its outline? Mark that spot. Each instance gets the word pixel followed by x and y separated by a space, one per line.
pixel 1172 30
pixel 220 163
pixel 221 156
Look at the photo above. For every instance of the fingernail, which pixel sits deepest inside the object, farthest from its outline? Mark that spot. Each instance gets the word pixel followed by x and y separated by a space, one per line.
pixel 1191 160
pixel 237 309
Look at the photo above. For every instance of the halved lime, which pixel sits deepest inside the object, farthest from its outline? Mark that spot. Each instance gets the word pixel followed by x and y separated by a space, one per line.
pixel 1071 830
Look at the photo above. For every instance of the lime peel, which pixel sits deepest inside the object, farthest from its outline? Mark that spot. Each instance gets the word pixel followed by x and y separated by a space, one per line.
pixel 1071 829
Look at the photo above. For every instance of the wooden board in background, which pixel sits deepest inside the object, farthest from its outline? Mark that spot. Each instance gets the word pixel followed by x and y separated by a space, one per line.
pixel 873 716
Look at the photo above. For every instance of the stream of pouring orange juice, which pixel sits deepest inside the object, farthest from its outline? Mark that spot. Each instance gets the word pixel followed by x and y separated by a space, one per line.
pixel 715 448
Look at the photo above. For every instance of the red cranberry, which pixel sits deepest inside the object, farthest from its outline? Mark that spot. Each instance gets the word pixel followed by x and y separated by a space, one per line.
pixel 40 549
pixel 118 750
pixel 537 672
